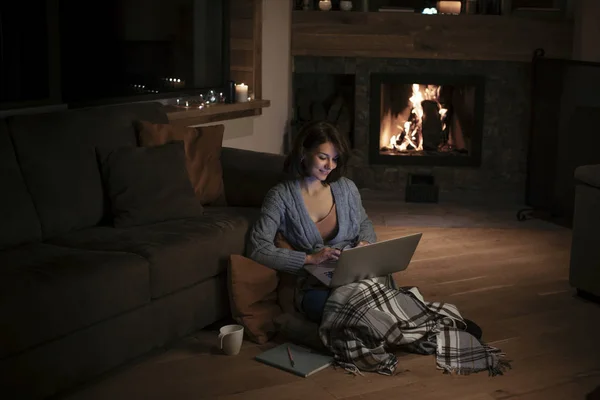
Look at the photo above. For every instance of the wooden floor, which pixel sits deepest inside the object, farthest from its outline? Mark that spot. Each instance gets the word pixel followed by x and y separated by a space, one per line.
pixel 509 277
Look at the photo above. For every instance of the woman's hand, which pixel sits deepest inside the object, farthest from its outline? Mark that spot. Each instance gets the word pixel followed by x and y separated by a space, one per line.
pixel 325 255
pixel 363 243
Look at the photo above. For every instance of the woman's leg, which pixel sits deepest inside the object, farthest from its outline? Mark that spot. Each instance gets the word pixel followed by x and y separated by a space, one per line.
pixel 313 303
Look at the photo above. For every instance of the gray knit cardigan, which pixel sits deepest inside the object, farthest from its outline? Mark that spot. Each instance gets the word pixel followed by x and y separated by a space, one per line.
pixel 283 210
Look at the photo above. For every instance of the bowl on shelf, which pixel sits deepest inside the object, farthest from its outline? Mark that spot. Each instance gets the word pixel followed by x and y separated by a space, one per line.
pixel 324 5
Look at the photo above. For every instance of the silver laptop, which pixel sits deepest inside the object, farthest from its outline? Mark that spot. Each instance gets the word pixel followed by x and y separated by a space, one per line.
pixel 375 260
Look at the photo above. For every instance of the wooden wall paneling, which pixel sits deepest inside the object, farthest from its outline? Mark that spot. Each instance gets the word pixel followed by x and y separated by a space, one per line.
pixel 242 9
pixel 258 17
pixel 242 60
pixel 466 37
pixel 246 44
pixel 242 27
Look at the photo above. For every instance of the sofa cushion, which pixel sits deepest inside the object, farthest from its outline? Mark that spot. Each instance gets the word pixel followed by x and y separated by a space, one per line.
pixel 248 175
pixel 588 174
pixel 20 223
pixel 202 150
pixel 181 253
pixel 56 152
pixel 47 291
pixel 148 184
pixel 253 297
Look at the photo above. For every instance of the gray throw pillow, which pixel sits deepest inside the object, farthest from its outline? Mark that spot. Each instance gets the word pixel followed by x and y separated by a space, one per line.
pixel 148 184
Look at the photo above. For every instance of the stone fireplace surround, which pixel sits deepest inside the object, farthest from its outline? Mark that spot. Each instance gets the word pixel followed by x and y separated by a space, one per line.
pixel 505 124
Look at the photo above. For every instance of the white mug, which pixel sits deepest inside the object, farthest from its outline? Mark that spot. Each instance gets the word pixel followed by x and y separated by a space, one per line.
pixel 230 337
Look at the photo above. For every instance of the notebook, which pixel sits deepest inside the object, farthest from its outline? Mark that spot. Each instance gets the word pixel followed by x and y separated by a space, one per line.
pixel 306 361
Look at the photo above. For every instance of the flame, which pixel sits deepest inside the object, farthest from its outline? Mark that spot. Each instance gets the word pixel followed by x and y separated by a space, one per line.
pixel 400 133
pixel 385 131
pixel 416 99
pixel 443 113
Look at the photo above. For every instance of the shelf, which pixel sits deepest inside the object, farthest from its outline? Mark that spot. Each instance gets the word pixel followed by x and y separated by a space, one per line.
pixel 402 35
pixel 183 116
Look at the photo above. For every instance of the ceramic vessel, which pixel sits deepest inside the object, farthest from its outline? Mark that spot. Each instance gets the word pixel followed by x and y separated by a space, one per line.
pixel 324 5
pixel 346 5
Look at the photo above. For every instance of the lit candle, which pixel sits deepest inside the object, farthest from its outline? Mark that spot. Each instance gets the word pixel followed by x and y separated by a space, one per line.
pixel 241 93
pixel 187 103
pixel 448 7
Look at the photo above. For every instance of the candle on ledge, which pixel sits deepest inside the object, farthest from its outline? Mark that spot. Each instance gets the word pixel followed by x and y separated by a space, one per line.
pixel 241 93
pixel 448 7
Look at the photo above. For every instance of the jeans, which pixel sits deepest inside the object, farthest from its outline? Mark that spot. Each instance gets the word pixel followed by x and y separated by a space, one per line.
pixel 313 303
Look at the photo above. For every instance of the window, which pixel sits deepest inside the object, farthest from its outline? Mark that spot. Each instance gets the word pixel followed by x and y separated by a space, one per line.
pixel 112 51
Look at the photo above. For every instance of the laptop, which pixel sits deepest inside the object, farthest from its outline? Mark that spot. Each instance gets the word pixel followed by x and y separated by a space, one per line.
pixel 375 260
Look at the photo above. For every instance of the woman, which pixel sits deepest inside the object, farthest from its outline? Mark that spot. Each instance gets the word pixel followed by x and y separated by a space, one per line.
pixel 319 212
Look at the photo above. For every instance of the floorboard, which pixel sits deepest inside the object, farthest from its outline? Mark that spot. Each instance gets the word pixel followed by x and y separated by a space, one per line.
pixel 510 277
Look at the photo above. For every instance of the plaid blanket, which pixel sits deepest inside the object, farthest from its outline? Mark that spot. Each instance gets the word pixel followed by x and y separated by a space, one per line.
pixel 363 320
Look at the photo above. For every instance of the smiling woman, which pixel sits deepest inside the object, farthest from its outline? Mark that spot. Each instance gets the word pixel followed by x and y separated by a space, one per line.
pixel 322 161
pixel 308 155
pixel 318 212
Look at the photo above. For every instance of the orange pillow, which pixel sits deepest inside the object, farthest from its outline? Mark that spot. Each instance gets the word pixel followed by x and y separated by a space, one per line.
pixel 286 290
pixel 202 150
pixel 253 297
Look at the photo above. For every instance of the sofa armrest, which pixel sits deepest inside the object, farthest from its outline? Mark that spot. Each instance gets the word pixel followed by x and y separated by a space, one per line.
pixel 584 271
pixel 589 175
pixel 248 175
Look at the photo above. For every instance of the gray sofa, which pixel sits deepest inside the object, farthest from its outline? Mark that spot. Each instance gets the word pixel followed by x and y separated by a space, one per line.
pixel 585 247
pixel 79 297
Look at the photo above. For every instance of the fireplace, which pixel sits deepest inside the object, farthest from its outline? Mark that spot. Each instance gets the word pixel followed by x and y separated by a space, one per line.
pixel 426 119
pixel 347 91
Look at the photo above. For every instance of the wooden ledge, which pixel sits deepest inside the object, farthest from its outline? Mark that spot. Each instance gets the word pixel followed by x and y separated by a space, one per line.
pixel 409 35
pixel 217 112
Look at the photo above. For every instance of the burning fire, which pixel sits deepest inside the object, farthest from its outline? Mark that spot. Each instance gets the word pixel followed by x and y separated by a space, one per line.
pixel 405 132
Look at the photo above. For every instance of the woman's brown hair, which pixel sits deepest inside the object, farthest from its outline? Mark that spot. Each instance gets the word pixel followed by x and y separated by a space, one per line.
pixel 311 136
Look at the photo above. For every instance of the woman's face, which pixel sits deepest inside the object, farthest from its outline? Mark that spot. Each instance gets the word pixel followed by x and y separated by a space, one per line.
pixel 322 161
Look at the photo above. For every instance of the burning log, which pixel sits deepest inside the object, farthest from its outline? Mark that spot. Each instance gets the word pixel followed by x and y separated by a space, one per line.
pixel 432 125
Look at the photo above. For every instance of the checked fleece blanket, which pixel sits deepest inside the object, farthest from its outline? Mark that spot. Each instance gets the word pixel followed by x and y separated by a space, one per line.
pixel 364 319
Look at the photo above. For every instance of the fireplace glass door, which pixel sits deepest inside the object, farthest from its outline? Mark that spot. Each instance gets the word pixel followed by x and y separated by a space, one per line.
pixel 426 120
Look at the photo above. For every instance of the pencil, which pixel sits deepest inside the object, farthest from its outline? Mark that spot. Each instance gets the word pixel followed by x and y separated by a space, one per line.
pixel 290 356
